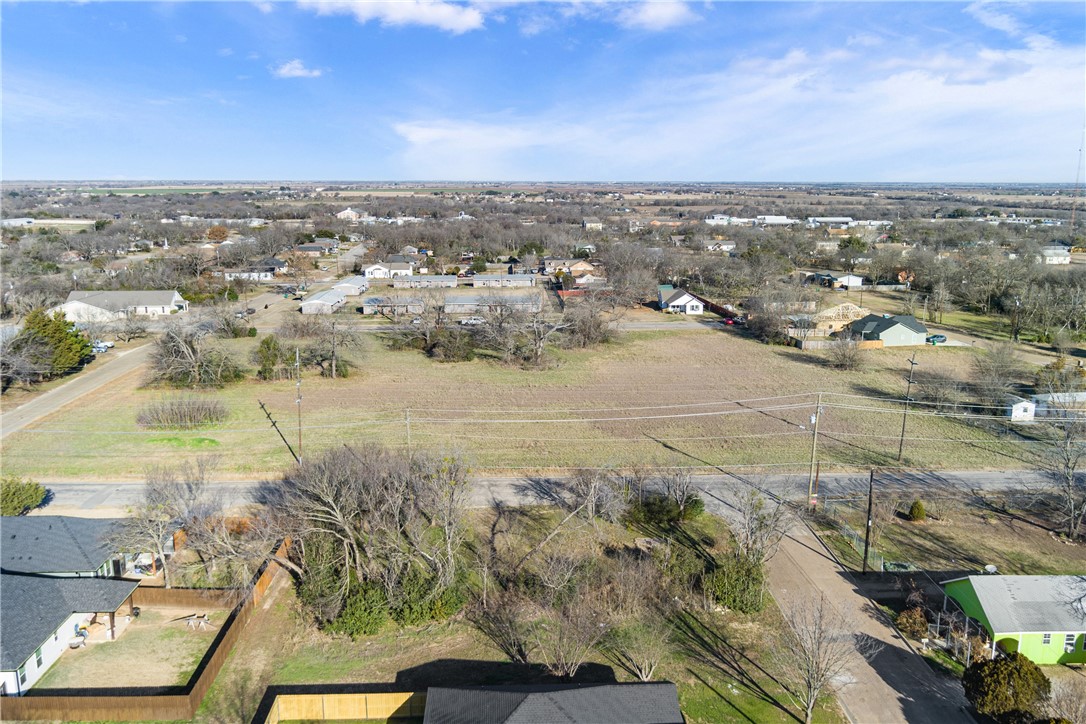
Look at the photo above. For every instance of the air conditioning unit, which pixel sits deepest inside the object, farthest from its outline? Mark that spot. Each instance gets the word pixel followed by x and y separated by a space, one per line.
pixel 1069 649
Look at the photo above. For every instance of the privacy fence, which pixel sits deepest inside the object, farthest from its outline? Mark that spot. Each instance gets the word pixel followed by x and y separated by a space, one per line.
pixel 151 703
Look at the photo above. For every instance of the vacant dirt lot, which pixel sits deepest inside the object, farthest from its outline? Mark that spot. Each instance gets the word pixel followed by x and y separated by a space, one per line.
pixel 683 397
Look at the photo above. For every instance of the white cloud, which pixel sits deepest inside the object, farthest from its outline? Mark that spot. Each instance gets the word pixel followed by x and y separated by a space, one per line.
pixel 801 115
pixel 987 14
pixel 656 15
pixel 181 38
pixel 226 52
pixel 264 7
pixel 296 69
pixel 864 40
pixel 450 17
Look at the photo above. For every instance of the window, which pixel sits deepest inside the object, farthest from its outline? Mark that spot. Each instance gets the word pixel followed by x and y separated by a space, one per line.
pixel 37 656
pixel 21 671
pixel 1069 642
pixel 1046 639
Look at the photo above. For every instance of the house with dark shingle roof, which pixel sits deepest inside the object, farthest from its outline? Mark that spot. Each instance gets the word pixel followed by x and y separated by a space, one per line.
pixel 56 572
pixel 895 331
pixel 679 301
pixel 631 703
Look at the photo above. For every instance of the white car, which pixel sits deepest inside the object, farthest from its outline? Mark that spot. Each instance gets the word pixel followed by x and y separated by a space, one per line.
pixel 472 321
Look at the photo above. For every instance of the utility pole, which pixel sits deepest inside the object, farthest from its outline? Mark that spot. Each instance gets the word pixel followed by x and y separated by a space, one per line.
pixel 298 369
pixel 870 508
pixel 275 425
pixel 908 398
pixel 814 453
pixel 333 349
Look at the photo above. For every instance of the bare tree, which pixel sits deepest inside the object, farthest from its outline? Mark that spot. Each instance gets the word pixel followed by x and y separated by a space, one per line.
pixel 678 484
pixel 995 372
pixel 818 646
pixel 566 637
pixel 184 356
pixel 601 494
pixel 505 622
pixel 845 353
pixel 173 498
pixel 538 331
pixel 131 328
pixel 639 646
pixel 761 526
pixel 1066 701
pixel 1061 459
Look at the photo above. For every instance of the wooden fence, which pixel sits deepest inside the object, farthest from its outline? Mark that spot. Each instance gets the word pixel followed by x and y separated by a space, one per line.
pixel 332 707
pixel 142 704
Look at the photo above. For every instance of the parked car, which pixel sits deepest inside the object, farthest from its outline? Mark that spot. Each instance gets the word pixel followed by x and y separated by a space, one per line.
pixel 100 343
pixel 472 321
pixel 936 339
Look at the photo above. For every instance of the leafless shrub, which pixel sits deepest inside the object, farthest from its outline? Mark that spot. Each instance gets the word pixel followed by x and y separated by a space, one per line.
pixel 845 354
pixel 761 526
pixel 567 636
pixel 639 646
pixel 602 494
pixel 505 621
pixel 181 413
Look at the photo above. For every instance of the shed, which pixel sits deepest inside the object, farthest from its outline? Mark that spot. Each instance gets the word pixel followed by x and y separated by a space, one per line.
pixel 1019 409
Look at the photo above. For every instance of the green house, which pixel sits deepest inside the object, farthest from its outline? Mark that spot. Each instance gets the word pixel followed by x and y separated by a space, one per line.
pixel 1042 617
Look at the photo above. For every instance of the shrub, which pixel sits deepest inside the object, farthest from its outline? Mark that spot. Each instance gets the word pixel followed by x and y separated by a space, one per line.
pixel 252 331
pixel 917 512
pixel 19 496
pixel 913 623
pixel 365 612
pixel 679 563
pixel 181 413
pixel 654 509
pixel 738 583
pixel 1006 689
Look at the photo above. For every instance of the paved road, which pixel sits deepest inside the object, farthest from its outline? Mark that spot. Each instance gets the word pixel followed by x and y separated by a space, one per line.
pixel 103 498
pixel 121 364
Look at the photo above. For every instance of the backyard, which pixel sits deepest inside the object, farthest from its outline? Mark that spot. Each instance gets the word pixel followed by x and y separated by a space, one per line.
pixel 159 648
pixel 719 660
pixel 683 398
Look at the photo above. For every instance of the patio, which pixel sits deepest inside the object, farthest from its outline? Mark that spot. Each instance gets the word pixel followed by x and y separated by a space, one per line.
pixel 160 647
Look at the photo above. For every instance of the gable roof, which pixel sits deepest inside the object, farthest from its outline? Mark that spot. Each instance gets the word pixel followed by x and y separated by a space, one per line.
pixel 357 280
pixel 877 324
pixel 33 607
pixel 120 301
pixel 54 543
pixel 632 703
pixel 1031 604
pixel 328 296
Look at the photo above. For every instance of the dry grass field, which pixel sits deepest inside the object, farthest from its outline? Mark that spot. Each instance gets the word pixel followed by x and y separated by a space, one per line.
pixel 684 397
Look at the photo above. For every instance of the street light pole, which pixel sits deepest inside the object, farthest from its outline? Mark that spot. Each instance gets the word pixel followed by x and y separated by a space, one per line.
pixel 908 398
pixel 870 508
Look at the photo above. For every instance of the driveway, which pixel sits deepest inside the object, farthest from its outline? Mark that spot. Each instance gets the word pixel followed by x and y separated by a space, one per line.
pixel 51 401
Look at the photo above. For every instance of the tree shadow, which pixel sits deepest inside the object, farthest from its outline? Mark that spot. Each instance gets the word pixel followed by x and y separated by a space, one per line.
pixel 941 702
pixel 705 645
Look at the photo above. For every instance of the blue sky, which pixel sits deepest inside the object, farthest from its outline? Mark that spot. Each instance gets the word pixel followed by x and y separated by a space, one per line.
pixel 553 91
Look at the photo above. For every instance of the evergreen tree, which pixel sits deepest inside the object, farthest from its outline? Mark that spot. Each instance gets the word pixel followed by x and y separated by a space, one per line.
pixel 64 346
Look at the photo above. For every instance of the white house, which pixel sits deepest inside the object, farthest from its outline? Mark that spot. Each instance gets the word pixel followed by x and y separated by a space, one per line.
pixel 112 306
pixel 349 214
pixel 352 286
pixel 251 274
pixel 678 301
pixel 1055 255
pixel 726 246
pixel 591 223
pixel 1061 404
pixel 57 574
pixel 1019 409
pixel 388 270
pixel 324 302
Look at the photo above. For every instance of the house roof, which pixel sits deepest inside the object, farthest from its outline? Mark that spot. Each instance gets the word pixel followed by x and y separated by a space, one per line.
pixel 877 324
pixel 1031 604
pixel 632 703
pixel 678 295
pixel 328 296
pixel 120 301
pixel 33 607
pixel 53 544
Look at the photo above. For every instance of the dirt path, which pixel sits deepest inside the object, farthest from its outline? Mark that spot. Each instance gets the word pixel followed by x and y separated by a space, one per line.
pixel 896 685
